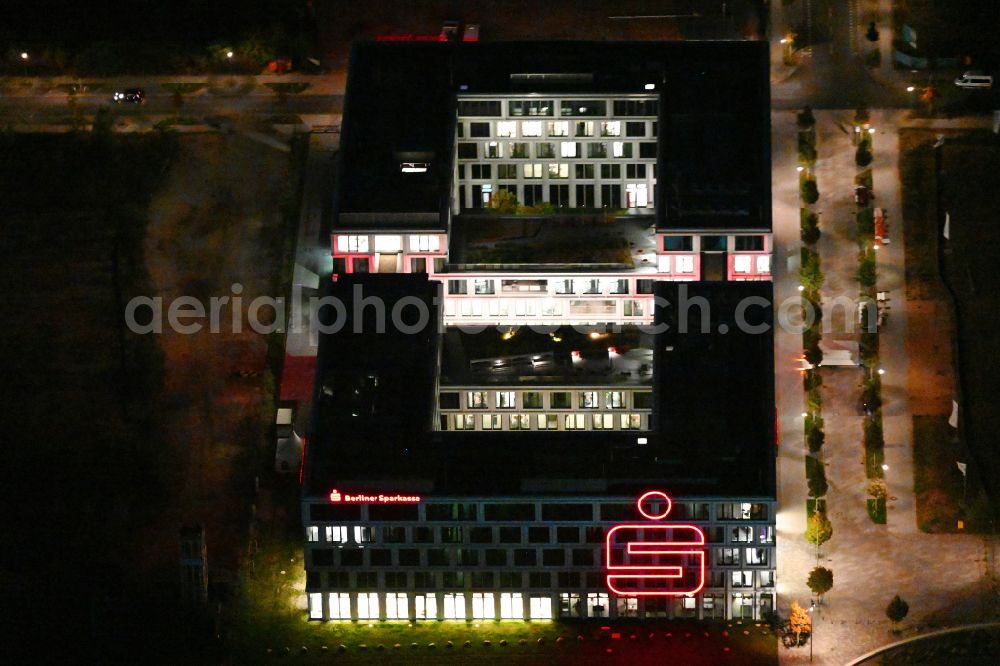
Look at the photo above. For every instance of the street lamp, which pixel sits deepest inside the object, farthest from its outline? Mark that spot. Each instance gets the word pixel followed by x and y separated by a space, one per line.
pixel 229 54
pixel 910 88
pixel 812 627
pixel 885 468
pixel 24 60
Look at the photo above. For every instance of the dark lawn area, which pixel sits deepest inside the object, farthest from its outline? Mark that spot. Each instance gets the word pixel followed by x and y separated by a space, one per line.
pixel 970 193
pixel 979 647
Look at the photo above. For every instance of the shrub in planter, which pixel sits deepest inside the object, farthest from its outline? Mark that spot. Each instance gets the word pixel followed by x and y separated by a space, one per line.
pixel 807 149
pixel 810 274
pixel 863 156
pixel 808 191
pixel 866 270
pixel 816 477
pixel 873 433
pixel 811 380
pixel 815 437
pixel 805 118
pixel 814 355
pixel 809 226
pixel 877 489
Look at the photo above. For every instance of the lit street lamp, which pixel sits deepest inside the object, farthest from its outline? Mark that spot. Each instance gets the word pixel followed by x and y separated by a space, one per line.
pixel 812 627
pixel 24 60
pixel 229 54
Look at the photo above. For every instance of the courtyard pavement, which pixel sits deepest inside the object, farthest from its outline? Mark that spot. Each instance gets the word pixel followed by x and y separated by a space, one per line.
pixel 940 576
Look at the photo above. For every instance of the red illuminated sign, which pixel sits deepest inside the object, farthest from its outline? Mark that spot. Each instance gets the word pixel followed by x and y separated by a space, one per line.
pixel 651 559
pixel 348 498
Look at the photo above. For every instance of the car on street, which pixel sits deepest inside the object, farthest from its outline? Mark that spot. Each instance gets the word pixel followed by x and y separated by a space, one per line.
pixel 129 96
pixel 974 80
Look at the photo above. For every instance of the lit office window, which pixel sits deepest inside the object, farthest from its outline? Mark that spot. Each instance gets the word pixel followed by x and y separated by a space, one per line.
pixel 465 422
pixel 481 287
pixel 611 128
pixel 570 605
pixel 506 128
pixel 520 421
pixel 742 579
pixel 454 606
pixel 576 421
pixel 614 399
pixel 756 556
pixel 540 608
pixel 568 148
pixel 633 308
pixel 388 243
pixel 604 421
pixel 494 149
pixel 396 606
pixel 621 148
pixel 560 170
pixel 548 422
pixel 531 128
pixel 364 534
pixel 340 605
pixel 764 263
pixel 511 606
pixel 336 533
pixel 426 606
pixel 684 263
pixel 315 605
pixel 631 421
pixel 532 170
pixel 559 128
pixel 425 243
pixel 597 604
pixel 475 399
pixel 312 533
pixel 742 263
pixel 492 422
pixel 368 606
pixel 663 263
pixel 482 606
pixel 588 400
pixel 352 243
pixel 506 399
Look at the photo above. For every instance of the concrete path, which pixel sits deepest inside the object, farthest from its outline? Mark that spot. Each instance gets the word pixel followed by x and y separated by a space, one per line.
pixel 939 575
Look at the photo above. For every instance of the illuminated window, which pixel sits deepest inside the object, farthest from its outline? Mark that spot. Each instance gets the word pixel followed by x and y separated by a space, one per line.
pixel 568 148
pixel 597 604
pixel 631 421
pixel 611 128
pixel 396 606
pixel 425 243
pixel 475 399
pixel 615 286
pixel 511 606
pixel 315 605
pixel 742 263
pixel 531 128
pixel 764 263
pixel 426 606
pixel 588 400
pixel 684 263
pixel 765 578
pixel 494 149
pixel 663 263
pixel 388 243
pixel 340 605
pixel 465 422
pixel 540 608
pixel 364 535
pixel 742 534
pixel 482 606
pixel 614 399
pixel 506 399
pixel 584 128
pixel 766 535
pixel 454 606
pixel 559 128
pixel 312 533
pixel 532 170
pixel 352 243
pixel 570 605
pixel 604 421
pixel 633 308
pixel 336 533
pixel 621 148
pixel 548 422
pixel 756 556
pixel 520 421
pixel 576 421
pixel 559 170
pixel 689 603
pixel 506 128
pixel 492 422
pixel 482 287
pixel 368 606
pixel 742 578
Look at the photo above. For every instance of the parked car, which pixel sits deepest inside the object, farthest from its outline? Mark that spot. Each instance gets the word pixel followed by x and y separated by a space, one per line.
pixel 130 96
pixel 974 80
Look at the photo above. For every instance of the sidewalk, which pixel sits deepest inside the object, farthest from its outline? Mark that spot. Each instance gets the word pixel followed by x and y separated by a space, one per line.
pixel 319 84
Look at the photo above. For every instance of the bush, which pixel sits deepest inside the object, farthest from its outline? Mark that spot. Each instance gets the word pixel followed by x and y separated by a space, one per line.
pixel 872 393
pixel 808 190
pixel 809 226
pixel 873 433
pixel 805 118
pixel 816 477
pixel 807 148
pixel 811 380
pixel 810 273
pixel 868 346
pixel 815 437
pixel 877 489
pixel 863 156
pixel 867 272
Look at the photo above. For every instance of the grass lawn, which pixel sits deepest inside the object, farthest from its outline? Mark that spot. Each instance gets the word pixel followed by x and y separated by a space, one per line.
pixel 937 481
pixel 970 648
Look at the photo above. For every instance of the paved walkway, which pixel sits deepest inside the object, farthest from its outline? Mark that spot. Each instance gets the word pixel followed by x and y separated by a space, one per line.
pixel 939 575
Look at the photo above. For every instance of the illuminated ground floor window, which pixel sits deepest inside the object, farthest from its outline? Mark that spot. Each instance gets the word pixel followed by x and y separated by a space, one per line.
pixel 540 608
pixel 426 606
pixel 340 605
pixel 315 606
pixel 454 606
pixel 511 606
pixel 397 606
pixel 627 606
pixel 482 606
pixel 368 606
pixel 597 604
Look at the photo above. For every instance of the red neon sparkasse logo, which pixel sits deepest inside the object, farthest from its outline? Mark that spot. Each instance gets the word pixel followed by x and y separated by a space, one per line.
pixel 655 559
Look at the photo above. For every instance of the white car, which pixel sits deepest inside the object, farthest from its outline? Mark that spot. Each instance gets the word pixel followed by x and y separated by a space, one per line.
pixel 974 80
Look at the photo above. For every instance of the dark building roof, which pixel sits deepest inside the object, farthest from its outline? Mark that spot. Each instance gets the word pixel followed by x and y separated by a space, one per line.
pixel 714 123
pixel 714 412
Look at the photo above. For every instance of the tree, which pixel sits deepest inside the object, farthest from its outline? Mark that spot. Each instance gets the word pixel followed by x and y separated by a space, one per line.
pixel 818 529
pixel 861 116
pixel 896 611
pixel 504 201
pixel 863 156
pixel 805 118
pixel 877 489
pixel 809 191
pixel 872 33
pixel 816 479
pixel 800 623
pixel 820 581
